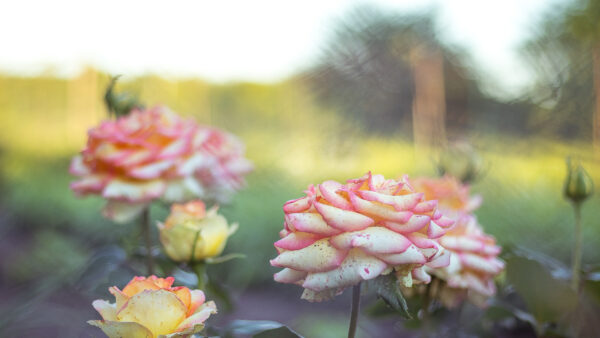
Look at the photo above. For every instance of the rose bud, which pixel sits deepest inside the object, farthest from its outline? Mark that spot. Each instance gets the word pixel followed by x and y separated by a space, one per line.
pixel 461 161
pixel 151 307
pixel 190 228
pixel 578 184
pixel 341 234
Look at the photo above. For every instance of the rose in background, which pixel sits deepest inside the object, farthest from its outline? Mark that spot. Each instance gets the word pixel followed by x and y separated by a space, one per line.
pixel 474 259
pixel 473 265
pixel 190 233
pixel 454 198
pixel 151 307
pixel 341 234
pixel 155 154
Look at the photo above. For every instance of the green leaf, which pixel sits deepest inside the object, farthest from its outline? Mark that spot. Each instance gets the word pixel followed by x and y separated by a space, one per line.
pixel 224 258
pixel 281 332
pixel 387 289
pixel 591 289
pixel 547 298
pixel 260 329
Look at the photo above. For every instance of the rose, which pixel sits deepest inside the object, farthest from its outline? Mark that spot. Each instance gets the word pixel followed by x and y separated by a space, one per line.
pixel 155 154
pixel 340 234
pixel 150 307
pixel 453 197
pixel 473 264
pixel 189 228
pixel 474 255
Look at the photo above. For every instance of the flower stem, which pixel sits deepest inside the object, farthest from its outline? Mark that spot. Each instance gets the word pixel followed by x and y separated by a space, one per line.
pixel 200 270
pixel 426 305
pixel 145 224
pixel 354 312
pixel 577 248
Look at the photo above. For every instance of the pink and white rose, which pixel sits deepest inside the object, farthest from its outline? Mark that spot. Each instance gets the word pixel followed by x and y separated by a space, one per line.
pixel 341 234
pixel 474 258
pixel 155 154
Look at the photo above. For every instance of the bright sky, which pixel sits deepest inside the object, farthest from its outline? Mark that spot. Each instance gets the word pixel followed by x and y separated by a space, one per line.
pixel 226 40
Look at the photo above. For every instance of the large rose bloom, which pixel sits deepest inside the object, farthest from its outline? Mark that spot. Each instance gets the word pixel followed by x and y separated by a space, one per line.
pixel 474 255
pixel 151 307
pixel 155 154
pixel 340 234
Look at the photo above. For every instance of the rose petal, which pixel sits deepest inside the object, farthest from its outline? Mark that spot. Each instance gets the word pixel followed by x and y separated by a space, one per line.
pixel 297 205
pixel 122 329
pixel 320 256
pixel 122 212
pixel 198 299
pixel 151 170
pixel 133 191
pixel 411 255
pixel 312 223
pixel 378 210
pixel 479 263
pixel 441 260
pixel 297 240
pixel 420 275
pixel 199 317
pixel 399 202
pixel 415 223
pixel 375 240
pixel 356 267
pixel 343 219
pixel 329 191
pixel 159 311
pixel 426 206
pixel 289 276
pixel 107 310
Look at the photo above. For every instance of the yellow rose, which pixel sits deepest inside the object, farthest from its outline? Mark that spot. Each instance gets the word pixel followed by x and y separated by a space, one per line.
pixel 190 228
pixel 150 308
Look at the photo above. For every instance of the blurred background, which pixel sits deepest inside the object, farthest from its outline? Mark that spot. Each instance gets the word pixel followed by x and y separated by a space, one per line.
pixel 316 90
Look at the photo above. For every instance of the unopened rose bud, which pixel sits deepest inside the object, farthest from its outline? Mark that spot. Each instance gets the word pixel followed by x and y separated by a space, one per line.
pixel 461 161
pixel 579 184
pixel 119 104
pixel 191 230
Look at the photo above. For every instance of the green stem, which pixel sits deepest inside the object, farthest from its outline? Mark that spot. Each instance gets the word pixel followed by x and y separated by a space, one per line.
pixel 193 253
pixel 427 304
pixel 354 311
pixel 198 266
pixel 200 270
pixel 578 247
pixel 145 224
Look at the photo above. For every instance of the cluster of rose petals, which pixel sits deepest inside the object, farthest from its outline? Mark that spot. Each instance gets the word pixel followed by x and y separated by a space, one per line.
pixel 155 154
pixel 189 228
pixel 151 307
pixel 474 255
pixel 473 262
pixel 341 234
pixel 454 198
